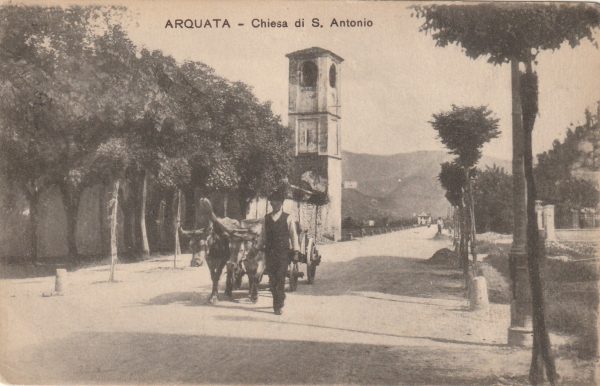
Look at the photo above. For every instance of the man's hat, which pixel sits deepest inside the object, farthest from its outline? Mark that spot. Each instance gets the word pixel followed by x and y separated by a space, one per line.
pixel 278 194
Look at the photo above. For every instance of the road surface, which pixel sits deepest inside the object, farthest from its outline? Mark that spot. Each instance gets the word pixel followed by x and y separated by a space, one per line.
pixel 377 314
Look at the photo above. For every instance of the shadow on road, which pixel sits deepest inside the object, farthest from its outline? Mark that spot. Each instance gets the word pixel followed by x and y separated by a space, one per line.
pixel 149 358
pixel 375 333
pixel 389 275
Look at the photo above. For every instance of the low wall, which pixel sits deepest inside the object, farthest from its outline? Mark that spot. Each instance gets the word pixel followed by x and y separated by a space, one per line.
pixel 586 234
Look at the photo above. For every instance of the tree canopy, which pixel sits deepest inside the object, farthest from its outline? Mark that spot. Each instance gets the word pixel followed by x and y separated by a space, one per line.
pixel 464 130
pixel 502 32
pixel 452 179
pixel 81 104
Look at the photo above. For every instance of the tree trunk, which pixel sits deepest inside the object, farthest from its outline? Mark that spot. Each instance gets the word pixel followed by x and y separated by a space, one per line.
pixel 114 206
pixel 464 245
pixel 34 203
pixel 176 225
pixel 542 345
pixel 127 195
pixel 225 203
pixel 472 229
pixel 104 221
pixel 160 225
pixel 170 212
pixel 144 246
pixel 244 204
pixel 72 232
pixel 190 212
pixel 70 198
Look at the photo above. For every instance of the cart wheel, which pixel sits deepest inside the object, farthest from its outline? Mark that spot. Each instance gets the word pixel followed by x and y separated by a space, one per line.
pixel 294 277
pixel 311 265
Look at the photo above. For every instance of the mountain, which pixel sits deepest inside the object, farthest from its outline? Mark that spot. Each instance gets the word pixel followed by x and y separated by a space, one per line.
pixel 397 185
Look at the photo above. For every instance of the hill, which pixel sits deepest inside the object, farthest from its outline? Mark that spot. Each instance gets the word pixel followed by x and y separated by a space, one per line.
pixel 397 185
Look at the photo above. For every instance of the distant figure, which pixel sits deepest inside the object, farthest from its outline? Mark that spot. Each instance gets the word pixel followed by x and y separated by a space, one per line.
pixel 440 224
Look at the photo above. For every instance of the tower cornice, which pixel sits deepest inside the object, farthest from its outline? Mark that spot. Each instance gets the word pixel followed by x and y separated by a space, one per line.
pixel 313 52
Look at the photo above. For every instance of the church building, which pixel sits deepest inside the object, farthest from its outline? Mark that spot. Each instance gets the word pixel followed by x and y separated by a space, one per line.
pixel 314 112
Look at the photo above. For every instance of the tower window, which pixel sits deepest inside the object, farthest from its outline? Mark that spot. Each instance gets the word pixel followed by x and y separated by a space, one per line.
pixel 332 76
pixel 309 73
pixel 307 136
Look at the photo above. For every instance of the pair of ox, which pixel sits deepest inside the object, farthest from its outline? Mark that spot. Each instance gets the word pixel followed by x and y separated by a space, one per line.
pixel 227 243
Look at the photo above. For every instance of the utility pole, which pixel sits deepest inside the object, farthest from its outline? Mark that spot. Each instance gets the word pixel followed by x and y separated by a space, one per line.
pixel 520 332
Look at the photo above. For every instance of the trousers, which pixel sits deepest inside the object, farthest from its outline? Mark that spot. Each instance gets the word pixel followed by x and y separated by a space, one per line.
pixel 278 266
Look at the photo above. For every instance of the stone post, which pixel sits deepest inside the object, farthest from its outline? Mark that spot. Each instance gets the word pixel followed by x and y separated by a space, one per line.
pixel 520 332
pixel 549 222
pixel 539 211
pixel 59 282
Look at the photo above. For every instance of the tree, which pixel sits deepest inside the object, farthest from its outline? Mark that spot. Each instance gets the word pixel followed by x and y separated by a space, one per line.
pixel 452 179
pixel 111 159
pixel 32 116
pixel 259 145
pixel 61 48
pixel 556 171
pixel 464 131
pixel 27 149
pixel 491 189
pixel 517 33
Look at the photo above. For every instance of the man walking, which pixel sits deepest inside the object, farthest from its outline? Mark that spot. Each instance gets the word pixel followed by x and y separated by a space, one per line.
pixel 280 243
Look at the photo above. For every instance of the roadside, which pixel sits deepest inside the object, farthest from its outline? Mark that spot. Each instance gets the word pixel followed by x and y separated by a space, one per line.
pixel 377 314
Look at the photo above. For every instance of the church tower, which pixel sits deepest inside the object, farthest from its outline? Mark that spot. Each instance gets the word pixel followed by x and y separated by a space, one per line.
pixel 315 116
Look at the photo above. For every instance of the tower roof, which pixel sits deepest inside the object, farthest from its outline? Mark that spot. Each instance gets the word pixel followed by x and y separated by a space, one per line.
pixel 312 52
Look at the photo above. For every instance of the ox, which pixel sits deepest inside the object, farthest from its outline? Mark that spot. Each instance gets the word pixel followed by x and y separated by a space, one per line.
pixel 228 243
pixel 210 244
pixel 245 257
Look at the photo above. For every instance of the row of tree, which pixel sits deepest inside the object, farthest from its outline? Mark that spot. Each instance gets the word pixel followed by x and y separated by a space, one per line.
pixel 81 106
pixel 464 131
pixel 516 34
pixel 556 177
pixel 557 169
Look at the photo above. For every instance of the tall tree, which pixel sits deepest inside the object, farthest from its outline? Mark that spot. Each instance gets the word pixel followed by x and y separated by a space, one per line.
pixel 517 33
pixel 63 46
pixel 492 189
pixel 557 171
pixel 464 131
pixel 27 143
pixel 452 179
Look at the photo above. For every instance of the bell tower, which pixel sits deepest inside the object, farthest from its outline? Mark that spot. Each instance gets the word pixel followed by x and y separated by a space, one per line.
pixel 315 116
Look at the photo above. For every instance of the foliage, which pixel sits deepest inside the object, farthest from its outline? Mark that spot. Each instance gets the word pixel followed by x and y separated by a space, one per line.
pixel 464 130
pixel 492 192
pixel 452 178
pixel 567 314
pixel 517 33
pixel 505 31
pixel 580 150
pixel 80 104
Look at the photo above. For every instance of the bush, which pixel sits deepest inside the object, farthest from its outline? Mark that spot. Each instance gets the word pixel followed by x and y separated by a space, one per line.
pixel 571 293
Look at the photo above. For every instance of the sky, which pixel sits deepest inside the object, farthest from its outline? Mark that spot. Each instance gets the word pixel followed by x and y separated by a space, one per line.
pixel 392 80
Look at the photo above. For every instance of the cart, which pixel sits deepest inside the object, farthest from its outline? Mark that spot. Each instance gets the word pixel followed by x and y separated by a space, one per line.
pixel 309 255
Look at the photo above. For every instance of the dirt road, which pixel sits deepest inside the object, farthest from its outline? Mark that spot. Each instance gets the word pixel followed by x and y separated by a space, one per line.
pixel 377 314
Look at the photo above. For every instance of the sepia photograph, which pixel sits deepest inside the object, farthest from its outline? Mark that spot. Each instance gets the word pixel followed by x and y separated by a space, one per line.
pixel 324 192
